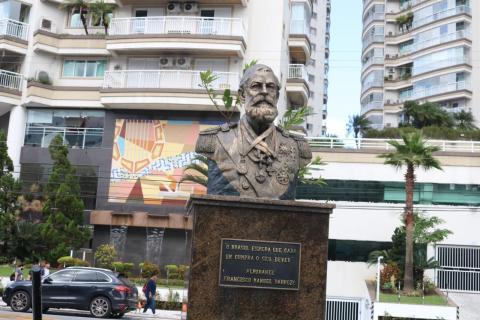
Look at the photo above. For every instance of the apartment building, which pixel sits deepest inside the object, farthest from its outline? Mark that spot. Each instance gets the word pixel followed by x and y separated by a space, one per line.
pixel 370 200
pixel 129 103
pixel 419 50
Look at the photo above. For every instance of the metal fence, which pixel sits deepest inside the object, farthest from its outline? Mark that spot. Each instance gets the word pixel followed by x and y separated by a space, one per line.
pixel 382 144
pixel 10 80
pixel 81 138
pixel 459 268
pixel 13 28
pixel 343 309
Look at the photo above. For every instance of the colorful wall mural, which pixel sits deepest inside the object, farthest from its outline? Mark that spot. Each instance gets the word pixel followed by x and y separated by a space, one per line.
pixel 148 160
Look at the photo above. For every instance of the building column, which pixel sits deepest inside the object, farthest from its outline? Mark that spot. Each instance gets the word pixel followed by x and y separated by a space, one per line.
pixel 16 135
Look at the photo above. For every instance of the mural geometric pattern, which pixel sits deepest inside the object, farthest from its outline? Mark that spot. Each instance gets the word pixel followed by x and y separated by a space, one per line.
pixel 148 159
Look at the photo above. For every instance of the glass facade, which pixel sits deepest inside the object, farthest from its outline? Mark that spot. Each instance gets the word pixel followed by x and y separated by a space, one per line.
pixel 84 68
pixel 79 128
pixel 393 192
pixel 441 59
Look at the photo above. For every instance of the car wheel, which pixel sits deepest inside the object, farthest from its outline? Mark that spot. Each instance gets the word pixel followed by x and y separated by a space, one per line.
pixel 100 307
pixel 20 301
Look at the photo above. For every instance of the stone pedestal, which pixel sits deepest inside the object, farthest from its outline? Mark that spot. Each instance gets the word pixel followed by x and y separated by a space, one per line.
pixel 258 278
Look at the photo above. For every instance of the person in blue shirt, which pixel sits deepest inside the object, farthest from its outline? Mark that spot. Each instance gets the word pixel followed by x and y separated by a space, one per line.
pixel 150 290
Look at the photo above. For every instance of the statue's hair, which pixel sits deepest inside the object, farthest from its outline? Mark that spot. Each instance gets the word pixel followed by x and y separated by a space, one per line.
pixel 248 74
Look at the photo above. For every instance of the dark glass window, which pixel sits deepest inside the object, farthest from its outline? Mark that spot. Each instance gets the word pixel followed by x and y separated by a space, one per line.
pixel 62 276
pixel 101 277
pixel 85 276
pixel 354 251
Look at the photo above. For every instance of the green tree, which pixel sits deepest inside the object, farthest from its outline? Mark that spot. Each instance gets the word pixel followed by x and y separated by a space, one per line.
pixel 9 206
pixel 105 256
pixel 63 228
pixel 464 120
pixel 357 124
pixel 81 6
pixel 426 231
pixel 101 13
pixel 412 153
pixel 427 114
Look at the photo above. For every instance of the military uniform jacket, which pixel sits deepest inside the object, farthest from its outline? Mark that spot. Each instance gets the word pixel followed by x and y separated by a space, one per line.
pixel 268 170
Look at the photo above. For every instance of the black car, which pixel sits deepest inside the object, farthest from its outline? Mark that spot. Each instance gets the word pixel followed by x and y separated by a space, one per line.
pixel 103 292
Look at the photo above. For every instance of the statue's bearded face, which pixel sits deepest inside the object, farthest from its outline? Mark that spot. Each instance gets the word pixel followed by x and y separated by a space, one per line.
pixel 261 96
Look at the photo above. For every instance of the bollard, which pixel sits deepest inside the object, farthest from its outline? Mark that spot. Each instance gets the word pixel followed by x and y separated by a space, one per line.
pixel 36 293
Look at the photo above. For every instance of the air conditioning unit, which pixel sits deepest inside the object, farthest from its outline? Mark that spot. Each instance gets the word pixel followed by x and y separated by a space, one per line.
pixel 183 62
pixel 166 62
pixel 387 56
pixel 174 8
pixel 47 25
pixel 390 33
pixel 190 7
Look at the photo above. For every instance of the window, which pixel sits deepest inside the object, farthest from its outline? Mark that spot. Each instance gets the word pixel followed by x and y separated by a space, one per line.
pixel 84 68
pixel 85 276
pixel 62 276
pixel 101 277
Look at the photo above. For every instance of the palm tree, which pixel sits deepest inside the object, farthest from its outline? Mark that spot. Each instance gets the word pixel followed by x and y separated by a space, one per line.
pixel 101 12
pixel 358 124
pixel 412 153
pixel 199 166
pixel 465 120
pixel 78 5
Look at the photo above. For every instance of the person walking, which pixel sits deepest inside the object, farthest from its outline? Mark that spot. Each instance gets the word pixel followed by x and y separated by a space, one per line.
pixel 19 272
pixel 46 270
pixel 150 290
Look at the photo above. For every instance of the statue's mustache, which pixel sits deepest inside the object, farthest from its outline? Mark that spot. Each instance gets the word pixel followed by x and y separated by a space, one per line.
pixel 263 99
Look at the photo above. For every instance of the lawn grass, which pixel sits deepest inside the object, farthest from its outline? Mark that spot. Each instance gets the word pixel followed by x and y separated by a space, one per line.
pixel 6 270
pixel 431 299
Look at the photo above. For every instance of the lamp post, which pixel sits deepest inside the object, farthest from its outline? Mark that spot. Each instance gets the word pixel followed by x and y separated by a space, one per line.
pixel 379 260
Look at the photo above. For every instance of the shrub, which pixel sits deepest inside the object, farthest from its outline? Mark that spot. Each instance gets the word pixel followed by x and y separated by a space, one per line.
pixel 66 261
pixel 428 287
pixel 149 269
pixel 389 274
pixel 80 263
pixel 182 271
pixel 105 256
pixel 172 271
pixel 123 267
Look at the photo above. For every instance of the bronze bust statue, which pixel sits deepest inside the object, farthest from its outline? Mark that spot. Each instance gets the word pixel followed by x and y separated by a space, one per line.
pixel 254 158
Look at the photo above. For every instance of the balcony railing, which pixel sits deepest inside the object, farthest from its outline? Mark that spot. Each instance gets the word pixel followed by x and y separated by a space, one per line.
pixel 371 39
pixel 297 71
pixel 371 61
pixel 378 16
pixel 15 29
pixel 11 80
pixel 435 65
pixel 299 27
pixel 372 105
pixel 440 89
pixel 178 25
pixel 166 79
pixel 406 4
pixel 371 84
pixel 440 15
pixel 75 138
pixel 461 34
pixel 382 144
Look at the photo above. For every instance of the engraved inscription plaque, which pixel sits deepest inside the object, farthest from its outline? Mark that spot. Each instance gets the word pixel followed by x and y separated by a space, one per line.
pixel 260 264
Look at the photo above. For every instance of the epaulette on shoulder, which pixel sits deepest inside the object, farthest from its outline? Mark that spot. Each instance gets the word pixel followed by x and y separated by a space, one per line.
pixel 207 140
pixel 284 132
pixel 303 147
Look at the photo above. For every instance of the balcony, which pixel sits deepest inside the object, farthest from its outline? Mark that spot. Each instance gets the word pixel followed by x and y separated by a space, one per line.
pixel 372 61
pixel 372 84
pixel 440 90
pixel 42 95
pixel 148 3
pixel 162 89
pixel 440 64
pixel 193 34
pixel 375 16
pixel 73 137
pixel 13 36
pixel 372 105
pixel 299 41
pixel 454 36
pixel 10 89
pixel 297 85
pixel 417 23
pixel 69 45
pixel 378 38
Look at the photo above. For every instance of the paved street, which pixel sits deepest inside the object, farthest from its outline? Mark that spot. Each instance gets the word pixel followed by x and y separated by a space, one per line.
pixel 7 314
